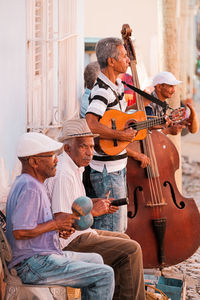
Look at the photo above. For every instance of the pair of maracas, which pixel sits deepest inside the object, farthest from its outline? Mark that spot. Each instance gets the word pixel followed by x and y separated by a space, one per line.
pixel 82 207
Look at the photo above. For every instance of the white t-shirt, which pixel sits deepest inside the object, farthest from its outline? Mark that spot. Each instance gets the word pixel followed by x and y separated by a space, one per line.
pixel 64 188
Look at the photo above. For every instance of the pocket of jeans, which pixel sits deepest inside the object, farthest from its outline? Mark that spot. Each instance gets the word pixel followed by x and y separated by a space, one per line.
pixel 116 173
pixel 28 275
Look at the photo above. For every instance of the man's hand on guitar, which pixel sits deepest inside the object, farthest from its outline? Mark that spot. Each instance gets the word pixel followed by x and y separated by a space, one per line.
pixel 174 129
pixel 168 122
pixel 127 135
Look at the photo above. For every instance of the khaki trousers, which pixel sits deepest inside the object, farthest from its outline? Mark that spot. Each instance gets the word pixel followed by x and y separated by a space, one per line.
pixel 122 254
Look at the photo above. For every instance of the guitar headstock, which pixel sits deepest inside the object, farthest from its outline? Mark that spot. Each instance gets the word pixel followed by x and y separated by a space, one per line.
pixel 178 115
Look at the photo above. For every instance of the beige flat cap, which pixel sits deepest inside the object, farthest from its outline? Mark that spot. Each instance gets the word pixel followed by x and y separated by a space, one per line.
pixel 75 128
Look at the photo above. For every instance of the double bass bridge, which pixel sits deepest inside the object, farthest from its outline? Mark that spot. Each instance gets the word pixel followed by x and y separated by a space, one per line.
pixel 156 203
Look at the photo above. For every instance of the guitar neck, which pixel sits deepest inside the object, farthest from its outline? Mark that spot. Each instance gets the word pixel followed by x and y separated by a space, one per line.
pixel 148 123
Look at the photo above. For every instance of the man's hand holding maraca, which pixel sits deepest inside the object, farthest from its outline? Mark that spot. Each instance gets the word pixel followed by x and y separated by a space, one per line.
pixel 103 206
pixel 64 222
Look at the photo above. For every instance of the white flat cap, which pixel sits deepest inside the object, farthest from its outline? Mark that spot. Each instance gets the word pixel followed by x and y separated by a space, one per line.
pixel 33 143
pixel 165 77
pixel 75 128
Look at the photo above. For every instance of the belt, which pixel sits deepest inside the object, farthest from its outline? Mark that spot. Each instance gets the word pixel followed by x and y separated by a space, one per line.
pixel 109 157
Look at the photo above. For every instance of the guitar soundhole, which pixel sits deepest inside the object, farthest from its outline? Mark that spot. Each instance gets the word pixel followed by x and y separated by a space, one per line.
pixel 131 124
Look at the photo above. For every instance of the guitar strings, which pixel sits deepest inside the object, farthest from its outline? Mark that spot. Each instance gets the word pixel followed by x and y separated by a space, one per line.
pixel 158 120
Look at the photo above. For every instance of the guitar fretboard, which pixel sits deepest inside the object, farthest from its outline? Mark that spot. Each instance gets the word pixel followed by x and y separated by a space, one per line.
pixel 148 123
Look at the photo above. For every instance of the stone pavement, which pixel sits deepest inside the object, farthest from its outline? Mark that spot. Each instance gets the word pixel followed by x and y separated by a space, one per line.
pixel 190 146
pixel 190 143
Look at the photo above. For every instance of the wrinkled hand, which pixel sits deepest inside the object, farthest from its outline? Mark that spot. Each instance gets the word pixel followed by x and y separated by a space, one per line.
pixel 185 122
pixel 145 161
pixel 102 206
pixel 174 130
pixel 64 221
pixel 66 233
pixel 127 135
pixel 168 121
pixel 112 208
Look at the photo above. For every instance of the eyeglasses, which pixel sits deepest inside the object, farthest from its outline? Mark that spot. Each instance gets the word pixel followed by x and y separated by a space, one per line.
pixel 53 156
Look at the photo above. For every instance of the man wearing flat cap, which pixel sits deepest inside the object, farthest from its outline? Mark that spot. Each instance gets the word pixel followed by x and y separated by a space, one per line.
pixel 117 249
pixel 33 232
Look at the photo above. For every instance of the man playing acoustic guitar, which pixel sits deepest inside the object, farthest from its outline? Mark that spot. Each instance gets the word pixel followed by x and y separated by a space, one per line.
pixel 165 84
pixel 108 172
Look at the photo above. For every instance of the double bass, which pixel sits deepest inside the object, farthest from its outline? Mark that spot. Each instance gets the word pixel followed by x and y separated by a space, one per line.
pixel 160 219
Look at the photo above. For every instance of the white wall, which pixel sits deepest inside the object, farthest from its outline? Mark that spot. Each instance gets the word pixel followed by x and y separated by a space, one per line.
pixel 105 18
pixel 80 48
pixel 12 77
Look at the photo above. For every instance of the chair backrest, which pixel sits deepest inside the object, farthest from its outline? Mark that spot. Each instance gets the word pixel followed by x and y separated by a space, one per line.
pixel 6 256
pixel 2 220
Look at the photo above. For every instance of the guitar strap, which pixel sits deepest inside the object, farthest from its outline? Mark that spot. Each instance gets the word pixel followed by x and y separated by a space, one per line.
pixel 148 96
pixel 118 98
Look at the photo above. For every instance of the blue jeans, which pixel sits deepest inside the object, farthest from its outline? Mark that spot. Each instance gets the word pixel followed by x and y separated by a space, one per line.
pixel 114 182
pixel 75 269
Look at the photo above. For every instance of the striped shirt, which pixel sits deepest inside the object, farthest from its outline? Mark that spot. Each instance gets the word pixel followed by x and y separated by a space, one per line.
pixel 154 109
pixel 104 96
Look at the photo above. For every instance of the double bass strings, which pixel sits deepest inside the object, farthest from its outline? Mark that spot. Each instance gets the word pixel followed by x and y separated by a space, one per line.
pixel 156 196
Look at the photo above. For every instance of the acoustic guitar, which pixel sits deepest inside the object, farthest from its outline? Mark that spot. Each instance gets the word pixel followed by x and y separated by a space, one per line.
pixel 116 119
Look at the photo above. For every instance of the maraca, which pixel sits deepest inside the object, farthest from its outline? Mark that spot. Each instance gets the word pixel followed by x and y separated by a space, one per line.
pixel 81 207
pixel 84 222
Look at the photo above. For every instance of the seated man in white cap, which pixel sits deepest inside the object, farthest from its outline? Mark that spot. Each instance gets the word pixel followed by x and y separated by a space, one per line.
pixel 117 249
pixel 164 84
pixel 33 232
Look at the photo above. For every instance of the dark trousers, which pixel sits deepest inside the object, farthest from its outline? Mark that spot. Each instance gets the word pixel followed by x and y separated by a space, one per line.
pixel 121 253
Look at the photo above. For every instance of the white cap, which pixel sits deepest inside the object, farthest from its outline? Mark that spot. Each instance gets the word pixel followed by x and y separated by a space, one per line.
pixel 165 77
pixel 33 143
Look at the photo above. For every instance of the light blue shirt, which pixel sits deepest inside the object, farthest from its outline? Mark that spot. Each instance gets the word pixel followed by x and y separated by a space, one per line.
pixel 27 206
pixel 84 103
